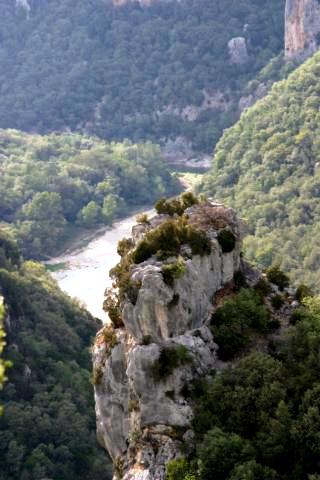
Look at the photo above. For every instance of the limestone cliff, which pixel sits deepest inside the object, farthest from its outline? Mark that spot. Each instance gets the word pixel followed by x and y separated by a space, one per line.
pixel 142 419
pixel 146 366
pixel 302 27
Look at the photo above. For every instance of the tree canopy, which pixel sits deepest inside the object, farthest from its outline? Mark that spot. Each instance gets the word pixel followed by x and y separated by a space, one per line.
pixel 52 184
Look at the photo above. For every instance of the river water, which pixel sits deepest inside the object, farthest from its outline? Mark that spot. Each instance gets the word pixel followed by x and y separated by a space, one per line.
pixel 85 272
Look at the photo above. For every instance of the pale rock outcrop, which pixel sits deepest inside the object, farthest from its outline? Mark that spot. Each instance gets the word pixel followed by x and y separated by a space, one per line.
pixel 302 27
pixel 142 419
pixel 23 4
pixel 238 50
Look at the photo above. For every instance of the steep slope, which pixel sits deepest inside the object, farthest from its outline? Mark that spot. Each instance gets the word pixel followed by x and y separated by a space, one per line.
pixel 47 427
pixel 172 72
pixel 267 166
pixel 51 186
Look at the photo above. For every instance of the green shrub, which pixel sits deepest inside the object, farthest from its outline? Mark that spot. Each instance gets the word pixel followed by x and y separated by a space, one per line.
pixel 253 471
pixel 109 336
pixel 276 276
pixel 199 242
pixel 239 280
pixel 274 324
pixel 297 315
pixel 167 239
pixel 170 358
pixel 173 271
pixel 97 375
pixel 236 319
pixel 146 340
pixel 176 206
pixel 262 287
pixel 277 302
pixel 133 405
pixel 124 246
pixel 169 207
pixel 220 452
pixel 174 301
pixel 178 469
pixel 227 240
pixel 142 219
pixel 189 199
pixel 302 292
pixel 111 306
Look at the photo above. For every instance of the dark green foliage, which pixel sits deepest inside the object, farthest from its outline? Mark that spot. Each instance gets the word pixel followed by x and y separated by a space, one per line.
pixel 239 280
pixel 80 183
pixel 302 292
pixel 189 199
pixel 277 276
pixel 179 469
pixel 267 168
pixel 123 72
pixel 176 206
pixel 262 287
pixel 253 471
pixel 48 424
pixel 277 301
pixel 199 242
pixel 220 452
pixel 167 239
pixel 227 240
pixel 174 301
pixel 264 408
pixel 111 306
pixel 236 320
pixel 169 207
pixel 9 252
pixel 173 271
pixel 169 359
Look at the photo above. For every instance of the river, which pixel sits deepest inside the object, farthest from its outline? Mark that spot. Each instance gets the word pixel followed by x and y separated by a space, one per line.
pixel 85 271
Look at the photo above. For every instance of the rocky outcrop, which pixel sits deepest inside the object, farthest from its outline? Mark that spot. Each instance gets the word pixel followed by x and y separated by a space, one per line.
pixel 238 50
pixel 23 4
pixel 302 27
pixel 145 368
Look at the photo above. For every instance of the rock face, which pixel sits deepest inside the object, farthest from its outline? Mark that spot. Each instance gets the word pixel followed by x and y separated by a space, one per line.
pixel 238 50
pixel 143 417
pixel 302 27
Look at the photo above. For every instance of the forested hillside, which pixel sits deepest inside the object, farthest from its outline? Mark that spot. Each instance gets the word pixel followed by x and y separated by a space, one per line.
pixel 47 429
pixel 52 184
pixel 268 167
pixel 130 72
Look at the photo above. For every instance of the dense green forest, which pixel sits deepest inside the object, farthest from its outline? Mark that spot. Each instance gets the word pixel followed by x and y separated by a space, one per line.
pixel 267 167
pixel 47 429
pixel 52 184
pixel 128 72
pixel 260 419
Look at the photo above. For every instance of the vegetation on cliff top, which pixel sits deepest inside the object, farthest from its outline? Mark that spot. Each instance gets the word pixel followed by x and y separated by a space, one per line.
pixel 124 72
pixel 47 429
pixel 52 184
pixel 267 168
